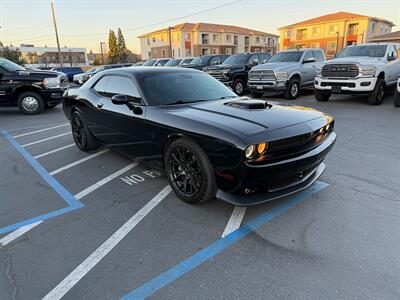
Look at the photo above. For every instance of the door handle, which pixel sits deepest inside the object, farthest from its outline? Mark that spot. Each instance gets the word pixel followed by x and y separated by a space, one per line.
pixel 100 105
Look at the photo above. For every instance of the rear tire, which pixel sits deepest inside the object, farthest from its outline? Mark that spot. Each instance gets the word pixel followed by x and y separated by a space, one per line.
pixel 396 98
pixel 322 97
pixel 238 87
pixel 378 94
pixel 30 103
pixel 293 89
pixel 189 172
pixel 82 136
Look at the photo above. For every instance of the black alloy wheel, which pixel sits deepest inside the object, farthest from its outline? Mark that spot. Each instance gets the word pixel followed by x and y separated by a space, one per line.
pixel 378 94
pixel 189 172
pixel 82 137
pixel 293 88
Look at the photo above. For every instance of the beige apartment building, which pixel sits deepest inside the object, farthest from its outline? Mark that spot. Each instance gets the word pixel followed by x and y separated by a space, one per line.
pixel 189 39
pixel 333 32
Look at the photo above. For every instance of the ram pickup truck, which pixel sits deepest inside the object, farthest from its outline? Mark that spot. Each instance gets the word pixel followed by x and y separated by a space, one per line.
pixel 286 72
pixel 397 94
pixel 30 90
pixel 234 70
pixel 366 69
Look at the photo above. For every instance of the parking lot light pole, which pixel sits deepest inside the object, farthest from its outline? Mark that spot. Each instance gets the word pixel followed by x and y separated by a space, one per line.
pixel 55 29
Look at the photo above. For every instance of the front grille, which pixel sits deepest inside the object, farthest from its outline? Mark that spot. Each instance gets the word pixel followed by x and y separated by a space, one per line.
pixel 262 75
pixel 340 70
pixel 281 183
pixel 348 84
pixel 293 142
pixel 216 74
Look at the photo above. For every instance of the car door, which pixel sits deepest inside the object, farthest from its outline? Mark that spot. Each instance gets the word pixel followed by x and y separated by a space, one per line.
pixel 6 89
pixel 307 69
pixel 393 65
pixel 121 128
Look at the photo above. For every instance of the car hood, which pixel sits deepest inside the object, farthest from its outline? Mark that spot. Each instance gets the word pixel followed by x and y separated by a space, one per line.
pixel 39 73
pixel 277 66
pixel 223 67
pixel 195 66
pixel 233 115
pixel 362 60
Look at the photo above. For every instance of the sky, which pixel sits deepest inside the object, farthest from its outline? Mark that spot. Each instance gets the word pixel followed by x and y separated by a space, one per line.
pixel 86 23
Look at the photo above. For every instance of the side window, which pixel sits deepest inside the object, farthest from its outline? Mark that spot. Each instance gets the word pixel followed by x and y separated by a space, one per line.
pixel 122 85
pixel 264 58
pixel 392 51
pixel 308 55
pixel 215 60
pixel 253 59
pixel 101 85
pixel 318 55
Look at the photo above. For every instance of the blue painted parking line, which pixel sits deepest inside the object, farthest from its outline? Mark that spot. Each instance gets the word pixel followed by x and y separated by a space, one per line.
pixel 73 203
pixel 220 245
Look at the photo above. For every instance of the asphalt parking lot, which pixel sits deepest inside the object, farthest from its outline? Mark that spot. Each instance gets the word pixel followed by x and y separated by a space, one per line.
pixel 98 226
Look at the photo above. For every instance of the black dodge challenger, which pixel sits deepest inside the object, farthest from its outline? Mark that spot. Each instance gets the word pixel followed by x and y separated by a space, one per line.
pixel 210 142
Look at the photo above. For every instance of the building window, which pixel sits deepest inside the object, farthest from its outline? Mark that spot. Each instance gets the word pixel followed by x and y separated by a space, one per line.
pixel 333 29
pixel 228 51
pixel 331 48
pixel 257 39
pixel 246 41
pixel 177 36
pixel 316 31
pixel 287 34
pixel 216 38
pixel 373 27
pixel 173 52
pixel 246 49
pixel 215 51
pixel 163 53
pixel 154 39
pixel 228 38
pixel 179 52
pixel 186 36
pixel 205 51
pixel 235 40
pixel 353 29
pixel 301 34
pixel 204 39
pixel 162 38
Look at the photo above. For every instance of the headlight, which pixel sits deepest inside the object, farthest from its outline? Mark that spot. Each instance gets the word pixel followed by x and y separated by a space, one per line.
pixel 281 75
pixel 368 71
pixel 226 71
pixel 52 83
pixel 318 71
pixel 249 152
pixel 257 149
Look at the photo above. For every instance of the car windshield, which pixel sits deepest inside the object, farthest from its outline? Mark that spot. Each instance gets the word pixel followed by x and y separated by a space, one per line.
pixel 363 50
pixel 173 62
pixel 10 66
pixel 237 59
pixel 91 70
pixel 149 62
pixel 201 60
pixel 175 88
pixel 290 56
pixel 186 61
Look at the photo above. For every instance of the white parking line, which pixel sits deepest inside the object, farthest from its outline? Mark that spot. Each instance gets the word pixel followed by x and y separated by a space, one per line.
pixel 46 139
pixel 53 151
pixel 89 263
pixel 235 220
pixel 41 130
pixel 102 182
pixel 78 162
pixel 17 233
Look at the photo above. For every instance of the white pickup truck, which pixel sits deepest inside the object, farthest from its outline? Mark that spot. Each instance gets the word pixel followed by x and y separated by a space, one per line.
pixel 366 69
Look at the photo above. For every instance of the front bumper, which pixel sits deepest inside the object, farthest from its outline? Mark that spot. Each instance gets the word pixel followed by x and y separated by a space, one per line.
pixel 273 86
pixel 52 96
pixel 349 85
pixel 296 173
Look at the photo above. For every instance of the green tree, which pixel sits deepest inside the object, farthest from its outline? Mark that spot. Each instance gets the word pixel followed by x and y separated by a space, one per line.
pixel 10 54
pixel 112 47
pixel 122 52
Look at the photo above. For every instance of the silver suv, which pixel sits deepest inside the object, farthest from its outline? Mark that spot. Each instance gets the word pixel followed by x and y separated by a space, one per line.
pixel 287 72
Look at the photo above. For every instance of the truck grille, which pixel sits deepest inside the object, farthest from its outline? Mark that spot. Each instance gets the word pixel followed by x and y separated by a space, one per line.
pixel 340 70
pixel 262 75
pixel 216 74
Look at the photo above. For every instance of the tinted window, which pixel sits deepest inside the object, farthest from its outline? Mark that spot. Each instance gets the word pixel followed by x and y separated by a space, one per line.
pixel 254 59
pixel 186 61
pixel 149 62
pixel 392 51
pixel 308 55
pixel 161 62
pixel 173 62
pixel 10 66
pixel 169 88
pixel 215 60
pixel 290 56
pixel 318 55
pixel 109 86
pixel 264 57
pixel 201 60
pixel 364 50
pixel 237 59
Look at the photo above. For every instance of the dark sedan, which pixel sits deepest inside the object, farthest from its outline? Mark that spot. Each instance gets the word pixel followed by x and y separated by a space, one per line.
pixel 210 142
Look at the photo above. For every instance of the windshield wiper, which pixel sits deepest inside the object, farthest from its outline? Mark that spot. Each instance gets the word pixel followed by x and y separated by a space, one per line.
pixel 226 97
pixel 185 102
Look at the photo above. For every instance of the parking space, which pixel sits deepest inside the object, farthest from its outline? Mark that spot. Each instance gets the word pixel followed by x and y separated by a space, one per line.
pixel 128 235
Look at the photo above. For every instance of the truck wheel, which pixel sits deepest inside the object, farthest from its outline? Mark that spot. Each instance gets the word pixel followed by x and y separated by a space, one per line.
pixel 82 136
pixel 377 95
pixel 238 87
pixel 323 97
pixel 189 172
pixel 396 98
pixel 256 94
pixel 30 103
pixel 293 88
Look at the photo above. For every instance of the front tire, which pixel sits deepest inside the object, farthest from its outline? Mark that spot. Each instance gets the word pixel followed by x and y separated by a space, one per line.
pixel 189 172
pixel 396 98
pixel 238 87
pixel 322 97
pixel 378 94
pixel 82 136
pixel 30 103
pixel 293 89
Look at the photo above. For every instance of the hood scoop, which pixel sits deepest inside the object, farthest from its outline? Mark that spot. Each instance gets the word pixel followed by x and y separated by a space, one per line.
pixel 249 104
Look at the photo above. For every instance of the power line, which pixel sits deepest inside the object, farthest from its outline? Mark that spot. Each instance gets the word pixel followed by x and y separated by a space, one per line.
pixel 162 22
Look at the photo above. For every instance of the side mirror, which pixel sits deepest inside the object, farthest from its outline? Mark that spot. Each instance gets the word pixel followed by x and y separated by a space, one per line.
pixel 308 60
pixel 214 63
pixel 391 57
pixel 119 99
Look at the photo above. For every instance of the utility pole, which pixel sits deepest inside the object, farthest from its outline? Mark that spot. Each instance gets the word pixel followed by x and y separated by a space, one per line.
pixel 170 42
pixel 55 29
pixel 101 50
